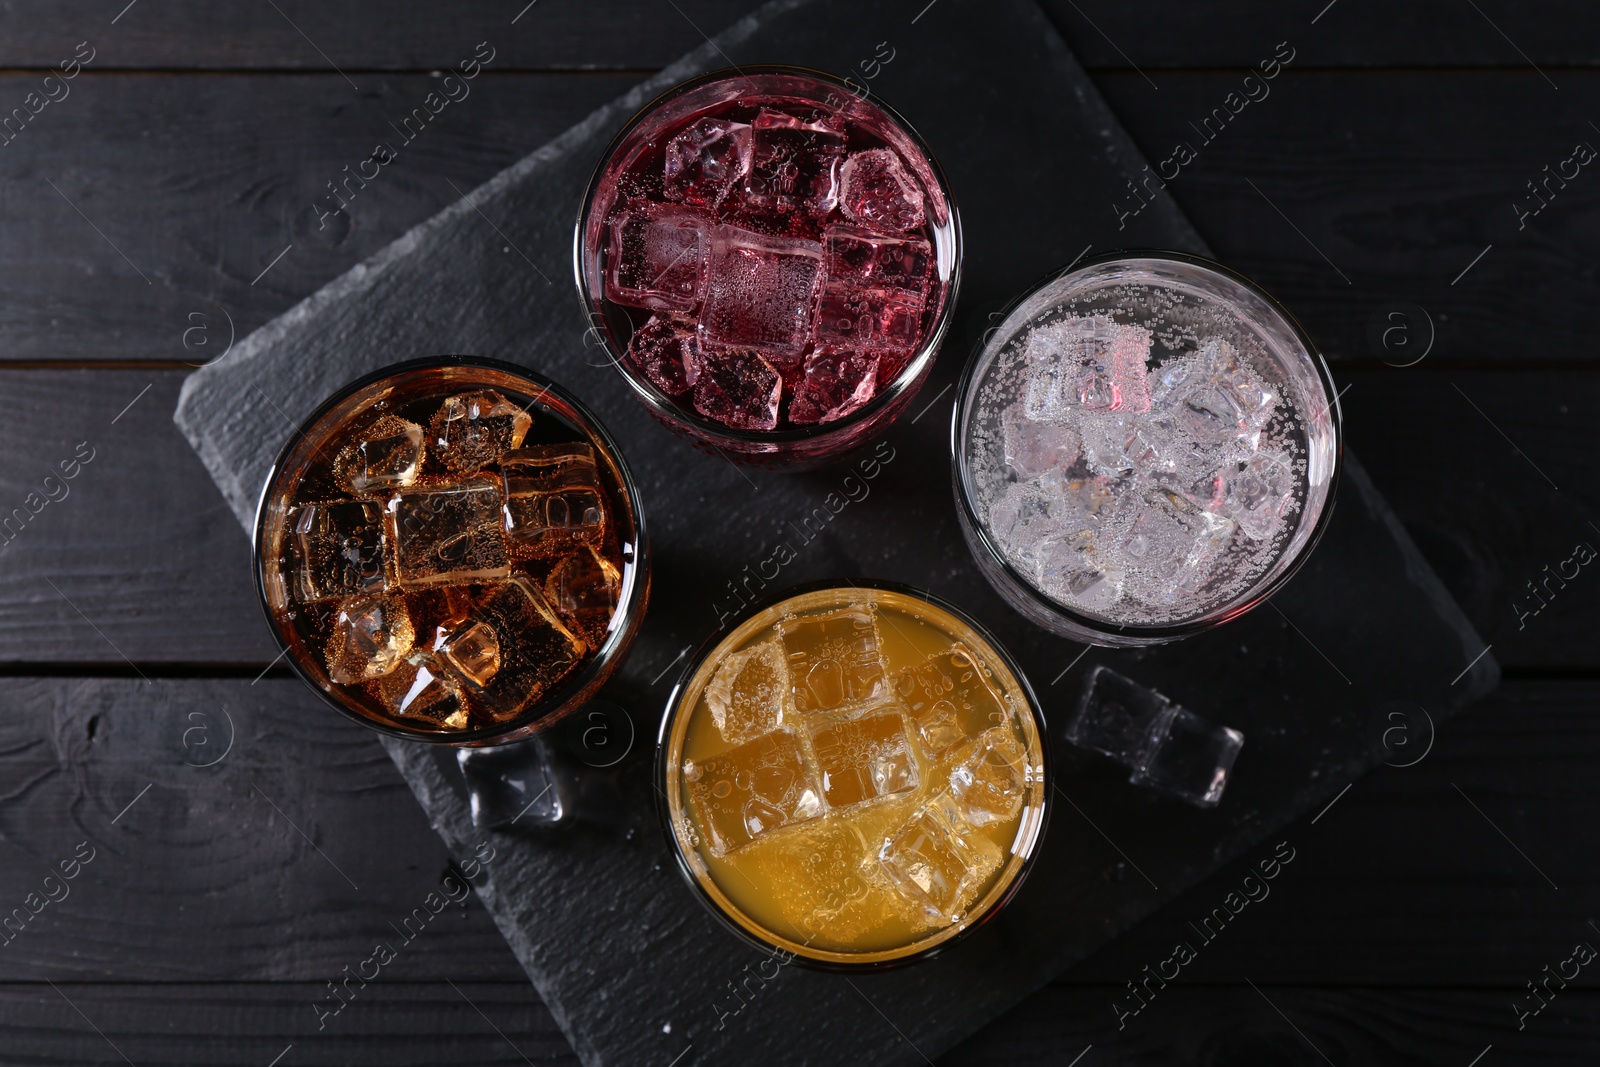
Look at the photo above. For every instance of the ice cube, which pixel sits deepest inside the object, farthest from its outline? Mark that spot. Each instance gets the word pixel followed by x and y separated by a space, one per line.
pixel 863 758
pixel 1170 546
pixel 1257 493
pixel 336 549
pixel 990 782
pixel 656 256
pixel 833 383
pixel 473 650
pixel 447 534
pixel 371 637
pixel 584 588
pixel 552 498
pixel 1086 363
pixel 861 260
pixel 882 319
pixel 752 790
pixel 738 389
pixel 876 189
pixel 420 688
pixel 1068 568
pixel 705 160
pixel 950 698
pixel 1167 747
pixel 470 430
pixel 938 862
pixel 536 648
pixel 748 693
pixel 386 455
pixel 759 293
pixel 794 163
pixel 1215 396
pixel 833 658
pixel 1033 447
pixel 822 884
pixel 667 353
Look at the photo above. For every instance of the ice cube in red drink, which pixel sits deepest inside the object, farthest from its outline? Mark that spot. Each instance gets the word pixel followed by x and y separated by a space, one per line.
pixel 759 293
pixel 658 256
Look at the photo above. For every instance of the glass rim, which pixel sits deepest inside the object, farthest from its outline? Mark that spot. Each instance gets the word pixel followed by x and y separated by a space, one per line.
pixel 671 712
pixel 1145 632
pixel 666 407
pixel 630 606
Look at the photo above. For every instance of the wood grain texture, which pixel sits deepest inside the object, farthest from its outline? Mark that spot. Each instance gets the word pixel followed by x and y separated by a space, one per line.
pixel 639 34
pixel 1400 883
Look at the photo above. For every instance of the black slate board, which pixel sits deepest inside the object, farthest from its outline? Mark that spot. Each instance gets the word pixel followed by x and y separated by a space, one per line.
pixel 628 962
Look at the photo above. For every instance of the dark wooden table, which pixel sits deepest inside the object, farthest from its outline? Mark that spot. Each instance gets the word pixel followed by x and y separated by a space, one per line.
pixel 160 202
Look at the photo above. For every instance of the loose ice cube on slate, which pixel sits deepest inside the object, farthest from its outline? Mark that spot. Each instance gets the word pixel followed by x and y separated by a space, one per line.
pixel 656 256
pixel 937 862
pixel 470 430
pixel 371 636
pixel 421 688
pixel 861 260
pixel 833 383
pixel 337 550
pixel 1033 447
pixel 447 534
pixel 1089 363
pixel 833 658
pixel 881 319
pixel 705 160
pixel 584 588
pixel 876 189
pixel 794 163
pixel 752 790
pixel 759 293
pixel 536 648
pixel 738 389
pixel 385 455
pixel 863 758
pixel 1167 747
pixel 989 783
pixel 949 698
pixel 748 693
pixel 667 353
pixel 552 498
pixel 1258 492
pixel 472 649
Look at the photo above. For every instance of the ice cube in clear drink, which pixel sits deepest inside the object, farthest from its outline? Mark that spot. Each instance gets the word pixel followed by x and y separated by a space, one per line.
pixel 759 293
pixel 749 693
pixel 1215 396
pixel 938 862
pixel 656 255
pixel 1258 492
pixel 1033 447
pixel 385 455
pixel 471 430
pixel 833 658
pixel 371 636
pixel 553 501
pixel 752 790
pixel 863 758
pixel 1086 363
pixel 876 189
pixel 336 550
pixel 1170 546
pixel 705 160
pixel 447 534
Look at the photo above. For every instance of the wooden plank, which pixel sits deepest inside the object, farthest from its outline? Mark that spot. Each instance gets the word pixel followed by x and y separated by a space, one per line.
pixel 636 34
pixel 389 1023
pixel 1399 178
pixel 1401 882
pixel 165 241
pixel 144 548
